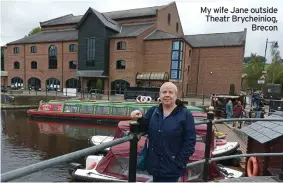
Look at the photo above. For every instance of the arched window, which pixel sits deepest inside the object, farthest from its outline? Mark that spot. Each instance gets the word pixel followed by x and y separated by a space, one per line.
pixel 119 86
pixel 33 65
pixel 52 55
pixel 121 45
pixel 34 83
pixel 52 84
pixel 120 64
pixel 73 83
pixel 17 82
pixel 16 65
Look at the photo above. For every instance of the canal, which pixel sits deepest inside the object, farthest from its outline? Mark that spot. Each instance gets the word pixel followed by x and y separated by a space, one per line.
pixel 25 142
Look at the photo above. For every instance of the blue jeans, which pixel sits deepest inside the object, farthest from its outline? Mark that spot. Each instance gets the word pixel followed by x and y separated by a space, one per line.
pixel 229 115
pixel 165 179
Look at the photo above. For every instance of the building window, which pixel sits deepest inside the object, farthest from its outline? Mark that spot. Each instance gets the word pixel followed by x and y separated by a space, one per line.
pixel 90 61
pixel 52 54
pixel 176 60
pixel 177 27
pixel 16 50
pixel 72 65
pixel 73 48
pixel 121 45
pixel 34 65
pixel 16 65
pixel 190 53
pixel 169 18
pixel 33 49
pixel 120 64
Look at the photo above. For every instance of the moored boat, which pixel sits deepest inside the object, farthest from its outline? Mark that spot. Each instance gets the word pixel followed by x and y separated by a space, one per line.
pixel 114 166
pixel 98 112
pixel 221 146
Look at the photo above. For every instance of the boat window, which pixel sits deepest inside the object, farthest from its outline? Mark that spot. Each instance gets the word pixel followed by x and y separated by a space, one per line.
pixel 119 111
pixel 102 110
pixel 88 109
pixel 120 166
pixel 71 108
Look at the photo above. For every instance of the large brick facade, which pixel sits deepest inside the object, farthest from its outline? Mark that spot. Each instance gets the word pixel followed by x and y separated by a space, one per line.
pixel 205 69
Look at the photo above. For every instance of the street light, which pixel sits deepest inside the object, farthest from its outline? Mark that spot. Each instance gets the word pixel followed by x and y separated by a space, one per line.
pixel 275 46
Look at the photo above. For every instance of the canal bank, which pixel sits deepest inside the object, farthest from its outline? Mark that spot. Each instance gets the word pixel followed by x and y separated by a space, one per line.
pixel 29 101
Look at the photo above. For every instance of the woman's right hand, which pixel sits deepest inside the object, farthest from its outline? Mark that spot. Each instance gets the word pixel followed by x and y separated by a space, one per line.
pixel 136 114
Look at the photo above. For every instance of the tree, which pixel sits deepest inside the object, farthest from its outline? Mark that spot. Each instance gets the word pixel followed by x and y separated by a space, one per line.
pixel 248 59
pixel 254 71
pixel 275 67
pixel 34 31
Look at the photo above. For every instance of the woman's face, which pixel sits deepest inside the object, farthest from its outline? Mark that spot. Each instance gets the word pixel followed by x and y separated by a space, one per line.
pixel 168 94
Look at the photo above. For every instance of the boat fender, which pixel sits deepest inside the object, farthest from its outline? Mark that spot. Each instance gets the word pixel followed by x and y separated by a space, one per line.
pixel 138 99
pixel 159 100
pixel 252 165
pixel 220 142
pixel 148 99
pixel 92 166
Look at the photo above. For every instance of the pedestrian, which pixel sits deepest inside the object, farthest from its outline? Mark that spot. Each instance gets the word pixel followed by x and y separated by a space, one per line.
pixel 229 109
pixel 171 137
pixel 238 112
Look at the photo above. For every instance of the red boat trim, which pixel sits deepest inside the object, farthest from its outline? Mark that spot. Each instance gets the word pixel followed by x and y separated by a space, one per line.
pixel 52 113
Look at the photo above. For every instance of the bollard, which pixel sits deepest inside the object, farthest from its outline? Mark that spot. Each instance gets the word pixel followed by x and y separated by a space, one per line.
pixel 210 117
pixel 134 129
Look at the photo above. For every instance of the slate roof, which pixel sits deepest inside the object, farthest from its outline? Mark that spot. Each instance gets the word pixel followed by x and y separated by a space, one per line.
pixel 133 30
pixel 217 39
pixel 157 34
pixel 265 131
pixel 66 19
pixel 108 22
pixel 49 36
pixel 114 15
pixel 127 30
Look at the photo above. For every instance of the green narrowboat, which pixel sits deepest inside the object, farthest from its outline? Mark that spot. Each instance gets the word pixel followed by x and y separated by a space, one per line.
pixel 98 112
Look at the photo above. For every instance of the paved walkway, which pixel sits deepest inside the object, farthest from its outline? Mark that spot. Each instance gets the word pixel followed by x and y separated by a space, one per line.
pixel 197 100
pixel 232 136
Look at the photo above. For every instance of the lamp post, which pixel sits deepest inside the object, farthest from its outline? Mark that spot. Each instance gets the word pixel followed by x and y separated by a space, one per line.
pixel 275 46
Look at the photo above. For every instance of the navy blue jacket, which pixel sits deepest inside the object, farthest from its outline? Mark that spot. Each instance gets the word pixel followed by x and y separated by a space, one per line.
pixel 171 141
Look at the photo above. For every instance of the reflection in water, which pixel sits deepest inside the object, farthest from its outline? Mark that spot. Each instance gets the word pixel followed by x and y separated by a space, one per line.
pixel 26 142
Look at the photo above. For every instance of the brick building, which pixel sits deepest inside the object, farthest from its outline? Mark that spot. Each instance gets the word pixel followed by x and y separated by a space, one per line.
pixel 138 47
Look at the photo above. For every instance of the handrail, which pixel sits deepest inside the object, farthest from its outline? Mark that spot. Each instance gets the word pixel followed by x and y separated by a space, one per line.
pixel 233 156
pixel 14 174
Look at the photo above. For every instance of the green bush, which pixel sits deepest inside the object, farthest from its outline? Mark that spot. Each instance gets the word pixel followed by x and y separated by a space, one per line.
pixel 232 89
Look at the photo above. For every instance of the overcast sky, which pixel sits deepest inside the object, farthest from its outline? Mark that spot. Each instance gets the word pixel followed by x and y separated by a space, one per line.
pixel 19 17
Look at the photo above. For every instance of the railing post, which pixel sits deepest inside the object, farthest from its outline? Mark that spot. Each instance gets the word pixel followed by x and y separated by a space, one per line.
pixel 134 129
pixel 210 117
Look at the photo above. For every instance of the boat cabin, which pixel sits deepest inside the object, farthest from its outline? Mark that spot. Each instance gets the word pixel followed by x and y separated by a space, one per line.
pixel 266 137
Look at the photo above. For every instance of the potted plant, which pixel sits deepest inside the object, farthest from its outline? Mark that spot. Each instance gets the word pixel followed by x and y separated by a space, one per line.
pixel 99 86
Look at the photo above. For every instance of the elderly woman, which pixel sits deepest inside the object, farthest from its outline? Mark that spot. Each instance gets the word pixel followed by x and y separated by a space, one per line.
pixel 171 136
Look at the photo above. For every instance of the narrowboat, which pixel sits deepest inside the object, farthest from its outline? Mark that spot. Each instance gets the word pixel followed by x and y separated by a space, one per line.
pixel 97 112
pixel 114 166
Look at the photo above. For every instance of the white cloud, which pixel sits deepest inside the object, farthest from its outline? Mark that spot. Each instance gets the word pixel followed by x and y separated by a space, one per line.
pixel 19 17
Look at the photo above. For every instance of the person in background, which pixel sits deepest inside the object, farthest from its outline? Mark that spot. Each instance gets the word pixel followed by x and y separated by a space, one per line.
pixel 171 134
pixel 238 112
pixel 229 109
